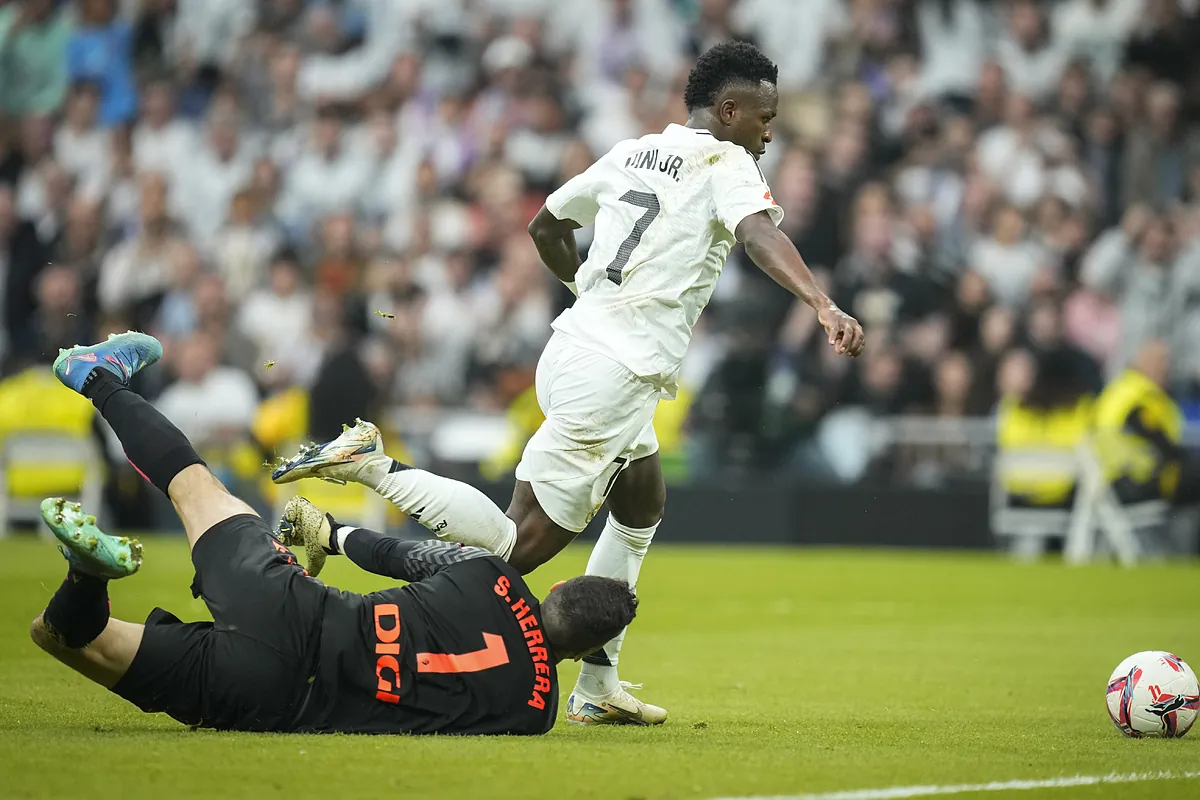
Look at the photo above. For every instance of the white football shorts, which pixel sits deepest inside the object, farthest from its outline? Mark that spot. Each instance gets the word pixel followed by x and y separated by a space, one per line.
pixel 599 418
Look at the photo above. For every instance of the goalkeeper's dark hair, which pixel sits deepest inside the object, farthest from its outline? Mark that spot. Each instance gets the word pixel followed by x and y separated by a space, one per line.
pixel 723 64
pixel 587 611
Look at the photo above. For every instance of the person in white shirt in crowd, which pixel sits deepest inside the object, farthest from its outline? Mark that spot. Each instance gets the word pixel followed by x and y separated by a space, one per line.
pixel 1009 155
pixel 327 177
pixel 1007 260
pixel 277 317
pixel 393 185
pixel 244 245
pixel 537 141
pixel 80 143
pixel 1097 31
pixel 210 403
pixel 608 37
pixel 162 141
pixel 1030 56
pixel 141 267
pixel 206 182
pixel 954 42
pixel 794 35
pixel 390 30
pixel 210 31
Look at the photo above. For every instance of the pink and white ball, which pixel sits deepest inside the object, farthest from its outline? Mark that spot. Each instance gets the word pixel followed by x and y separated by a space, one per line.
pixel 1154 693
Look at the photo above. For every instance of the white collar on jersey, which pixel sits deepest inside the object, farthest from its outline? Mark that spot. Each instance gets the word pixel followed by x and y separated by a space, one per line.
pixel 674 127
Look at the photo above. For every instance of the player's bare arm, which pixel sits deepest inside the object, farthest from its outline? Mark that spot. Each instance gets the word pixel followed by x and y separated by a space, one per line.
pixel 555 242
pixel 774 253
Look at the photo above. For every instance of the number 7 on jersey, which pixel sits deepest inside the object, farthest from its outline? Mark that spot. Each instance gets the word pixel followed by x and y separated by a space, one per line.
pixel 648 201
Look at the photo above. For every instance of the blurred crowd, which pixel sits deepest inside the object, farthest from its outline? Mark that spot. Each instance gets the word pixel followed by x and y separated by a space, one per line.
pixel 329 198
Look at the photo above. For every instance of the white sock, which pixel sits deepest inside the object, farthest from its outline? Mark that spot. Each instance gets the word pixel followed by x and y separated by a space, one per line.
pixel 618 554
pixel 339 537
pixel 450 509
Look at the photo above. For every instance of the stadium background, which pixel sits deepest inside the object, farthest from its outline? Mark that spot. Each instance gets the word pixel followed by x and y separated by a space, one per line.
pixel 319 207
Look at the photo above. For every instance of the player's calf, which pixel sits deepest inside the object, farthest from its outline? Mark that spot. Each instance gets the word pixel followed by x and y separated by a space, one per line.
pixel 538 538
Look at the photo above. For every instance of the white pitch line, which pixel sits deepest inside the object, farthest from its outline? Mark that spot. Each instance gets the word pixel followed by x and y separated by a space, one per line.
pixel 894 792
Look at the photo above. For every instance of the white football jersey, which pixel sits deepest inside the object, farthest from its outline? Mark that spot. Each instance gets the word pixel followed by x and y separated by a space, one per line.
pixel 665 208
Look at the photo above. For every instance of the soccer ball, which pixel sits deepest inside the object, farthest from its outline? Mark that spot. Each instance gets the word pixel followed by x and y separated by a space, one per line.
pixel 1153 694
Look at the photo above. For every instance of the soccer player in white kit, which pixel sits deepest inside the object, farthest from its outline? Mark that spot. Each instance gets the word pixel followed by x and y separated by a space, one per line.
pixel 667 209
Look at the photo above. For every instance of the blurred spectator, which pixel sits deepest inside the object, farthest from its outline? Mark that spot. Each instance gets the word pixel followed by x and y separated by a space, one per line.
pixel 81 243
pixel 60 320
pixel 204 184
pixel 1140 432
pixel 22 258
pixel 327 177
pixel 1007 260
pixel 33 56
pixel 953 36
pixel 1097 30
pixel 1133 263
pixel 1045 333
pixel 43 195
pixel 997 335
pixel 137 271
pixel 209 33
pixel 162 142
pixel 340 263
pixel 1031 58
pixel 245 244
pixel 214 316
pixel 80 144
pixel 342 390
pixel 121 203
pixel 876 281
pixel 797 36
pixel 1054 413
pixel 100 51
pixel 1102 155
pixel 177 315
pixel 278 319
pixel 1164 41
pixel 513 320
pixel 1159 154
pixel 208 402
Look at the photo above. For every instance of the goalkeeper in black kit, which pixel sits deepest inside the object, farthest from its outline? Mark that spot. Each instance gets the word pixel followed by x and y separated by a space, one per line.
pixel 463 648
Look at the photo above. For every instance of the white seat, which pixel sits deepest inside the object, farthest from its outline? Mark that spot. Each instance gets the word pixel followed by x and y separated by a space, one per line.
pixel 1129 531
pixel 1095 520
pixel 1028 529
pixel 48 449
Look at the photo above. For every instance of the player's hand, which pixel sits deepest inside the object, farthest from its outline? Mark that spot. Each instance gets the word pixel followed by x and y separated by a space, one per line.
pixel 846 336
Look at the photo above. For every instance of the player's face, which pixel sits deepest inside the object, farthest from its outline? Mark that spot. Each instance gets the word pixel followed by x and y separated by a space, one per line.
pixel 748 114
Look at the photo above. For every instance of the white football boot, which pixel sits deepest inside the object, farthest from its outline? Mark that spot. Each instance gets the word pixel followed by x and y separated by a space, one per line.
pixel 354 457
pixel 615 708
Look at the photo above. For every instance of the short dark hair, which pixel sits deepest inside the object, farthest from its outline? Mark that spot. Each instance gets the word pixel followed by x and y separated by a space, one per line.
pixel 723 64
pixel 587 611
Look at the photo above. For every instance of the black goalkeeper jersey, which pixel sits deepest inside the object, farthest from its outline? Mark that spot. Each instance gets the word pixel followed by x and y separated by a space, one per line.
pixel 459 650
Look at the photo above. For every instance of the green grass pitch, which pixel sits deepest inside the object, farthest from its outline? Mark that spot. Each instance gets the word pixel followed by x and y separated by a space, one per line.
pixel 785 671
